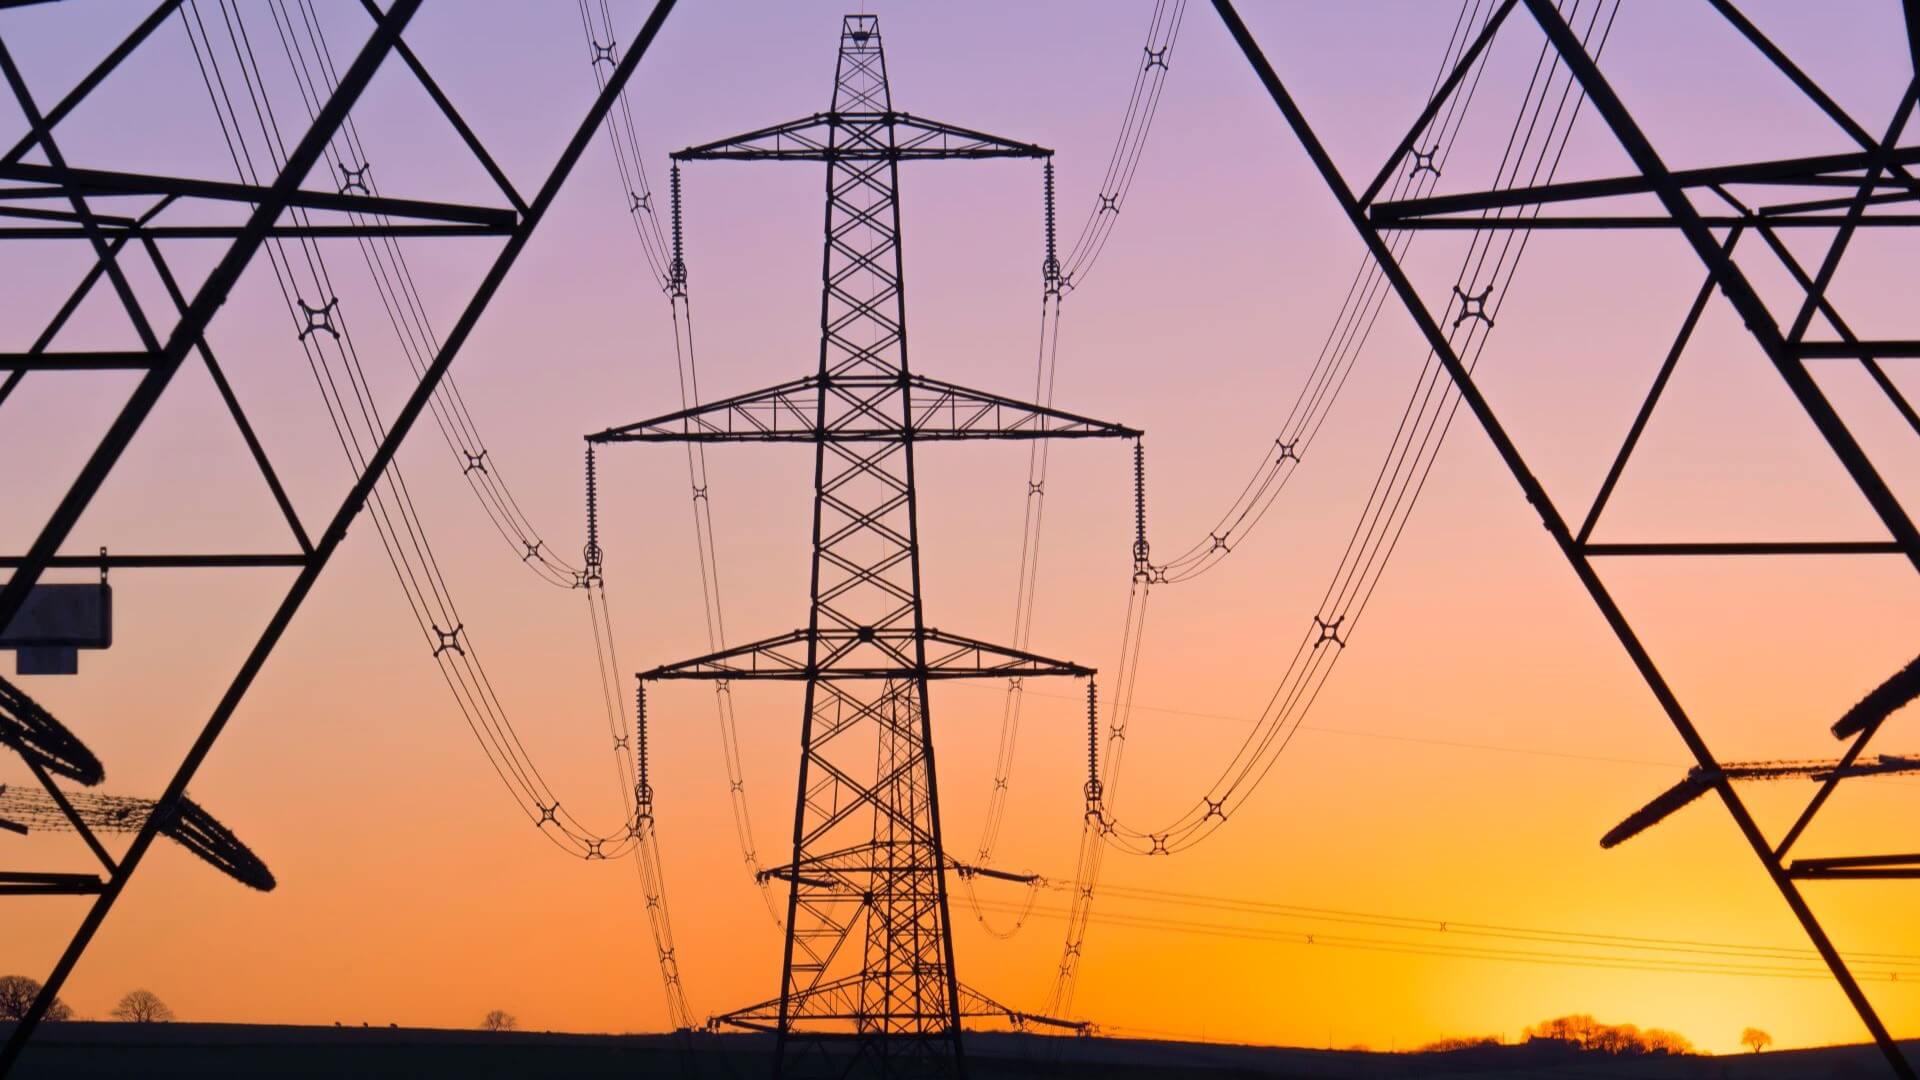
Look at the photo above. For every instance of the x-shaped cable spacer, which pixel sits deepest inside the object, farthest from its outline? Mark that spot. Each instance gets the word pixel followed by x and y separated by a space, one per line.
pixel 1287 450
pixel 699 492
pixel 619 742
pixel 593 849
pixel 1036 487
pixel 1109 202
pixel 449 639
pixel 475 462
pixel 1159 845
pixel 355 179
pixel 1219 542
pixel 1216 810
pixel 533 550
pixel 1423 161
pixel 1329 631
pixel 1473 305
pixel 319 318
pixel 604 52
pixel 1157 58
pixel 637 203
pixel 546 812
pixel 580 579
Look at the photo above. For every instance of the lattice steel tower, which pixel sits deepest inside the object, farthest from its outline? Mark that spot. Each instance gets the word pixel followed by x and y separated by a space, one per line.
pixel 867 982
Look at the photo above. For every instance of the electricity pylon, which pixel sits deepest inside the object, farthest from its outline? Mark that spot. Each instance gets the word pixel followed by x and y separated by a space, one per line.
pixel 867 979
pixel 1829 198
pixel 130 223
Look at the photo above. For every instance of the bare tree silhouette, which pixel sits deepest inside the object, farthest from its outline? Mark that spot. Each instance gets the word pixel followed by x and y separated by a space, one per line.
pixel 1755 1040
pixel 1583 1032
pixel 16 997
pixel 499 1020
pixel 142 1007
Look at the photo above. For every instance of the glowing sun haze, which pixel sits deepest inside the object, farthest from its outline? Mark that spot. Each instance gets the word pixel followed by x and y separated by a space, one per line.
pixel 1482 732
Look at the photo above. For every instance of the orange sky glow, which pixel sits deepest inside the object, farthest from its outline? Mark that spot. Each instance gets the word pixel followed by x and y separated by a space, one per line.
pixel 1443 801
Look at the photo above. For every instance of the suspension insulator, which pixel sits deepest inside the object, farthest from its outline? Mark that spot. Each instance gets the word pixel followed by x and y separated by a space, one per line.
pixel 592 550
pixel 676 270
pixel 1142 564
pixel 1050 270
pixel 644 792
pixel 1093 745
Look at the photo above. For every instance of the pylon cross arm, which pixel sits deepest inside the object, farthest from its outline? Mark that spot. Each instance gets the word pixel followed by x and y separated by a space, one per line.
pixel 864 408
pixel 867 653
pixel 109 182
pixel 861 136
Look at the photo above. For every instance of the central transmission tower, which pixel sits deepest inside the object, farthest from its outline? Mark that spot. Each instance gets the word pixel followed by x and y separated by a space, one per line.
pixel 867 981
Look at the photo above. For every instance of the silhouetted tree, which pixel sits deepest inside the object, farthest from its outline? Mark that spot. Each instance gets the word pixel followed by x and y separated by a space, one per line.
pixel 499 1020
pixel 1583 1032
pixel 16 997
pixel 1755 1040
pixel 142 1007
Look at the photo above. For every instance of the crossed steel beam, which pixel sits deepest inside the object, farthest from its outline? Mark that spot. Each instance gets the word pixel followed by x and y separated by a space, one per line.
pixel 1873 179
pixel 169 338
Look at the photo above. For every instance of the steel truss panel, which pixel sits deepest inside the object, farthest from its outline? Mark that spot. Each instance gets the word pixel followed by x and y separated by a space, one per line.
pixel 867 981
pixel 1876 176
pixel 169 337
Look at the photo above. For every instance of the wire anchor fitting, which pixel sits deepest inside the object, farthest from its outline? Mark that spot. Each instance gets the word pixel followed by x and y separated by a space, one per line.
pixel 1423 160
pixel 1328 631
pixel 355 179
pixel 1473 305
pixel 319 318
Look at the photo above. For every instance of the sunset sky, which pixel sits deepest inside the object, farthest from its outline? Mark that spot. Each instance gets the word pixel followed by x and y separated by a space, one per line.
pixel 1482 732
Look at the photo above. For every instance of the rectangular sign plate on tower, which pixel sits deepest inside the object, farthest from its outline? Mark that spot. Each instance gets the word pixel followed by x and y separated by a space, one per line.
pixel 55 622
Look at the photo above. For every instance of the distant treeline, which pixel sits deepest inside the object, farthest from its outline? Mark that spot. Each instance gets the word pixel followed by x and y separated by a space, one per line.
pixel 1583 1033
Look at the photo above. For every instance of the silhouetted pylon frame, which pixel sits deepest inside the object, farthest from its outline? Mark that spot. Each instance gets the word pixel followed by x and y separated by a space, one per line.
pixel 171 336
pixel 867 981
pixel 1851 184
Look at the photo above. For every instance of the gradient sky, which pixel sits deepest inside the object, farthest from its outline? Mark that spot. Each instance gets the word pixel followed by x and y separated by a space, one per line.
pixel 1482 734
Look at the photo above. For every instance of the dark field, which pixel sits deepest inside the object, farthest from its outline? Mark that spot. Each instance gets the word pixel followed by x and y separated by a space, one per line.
pixel 183 1050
